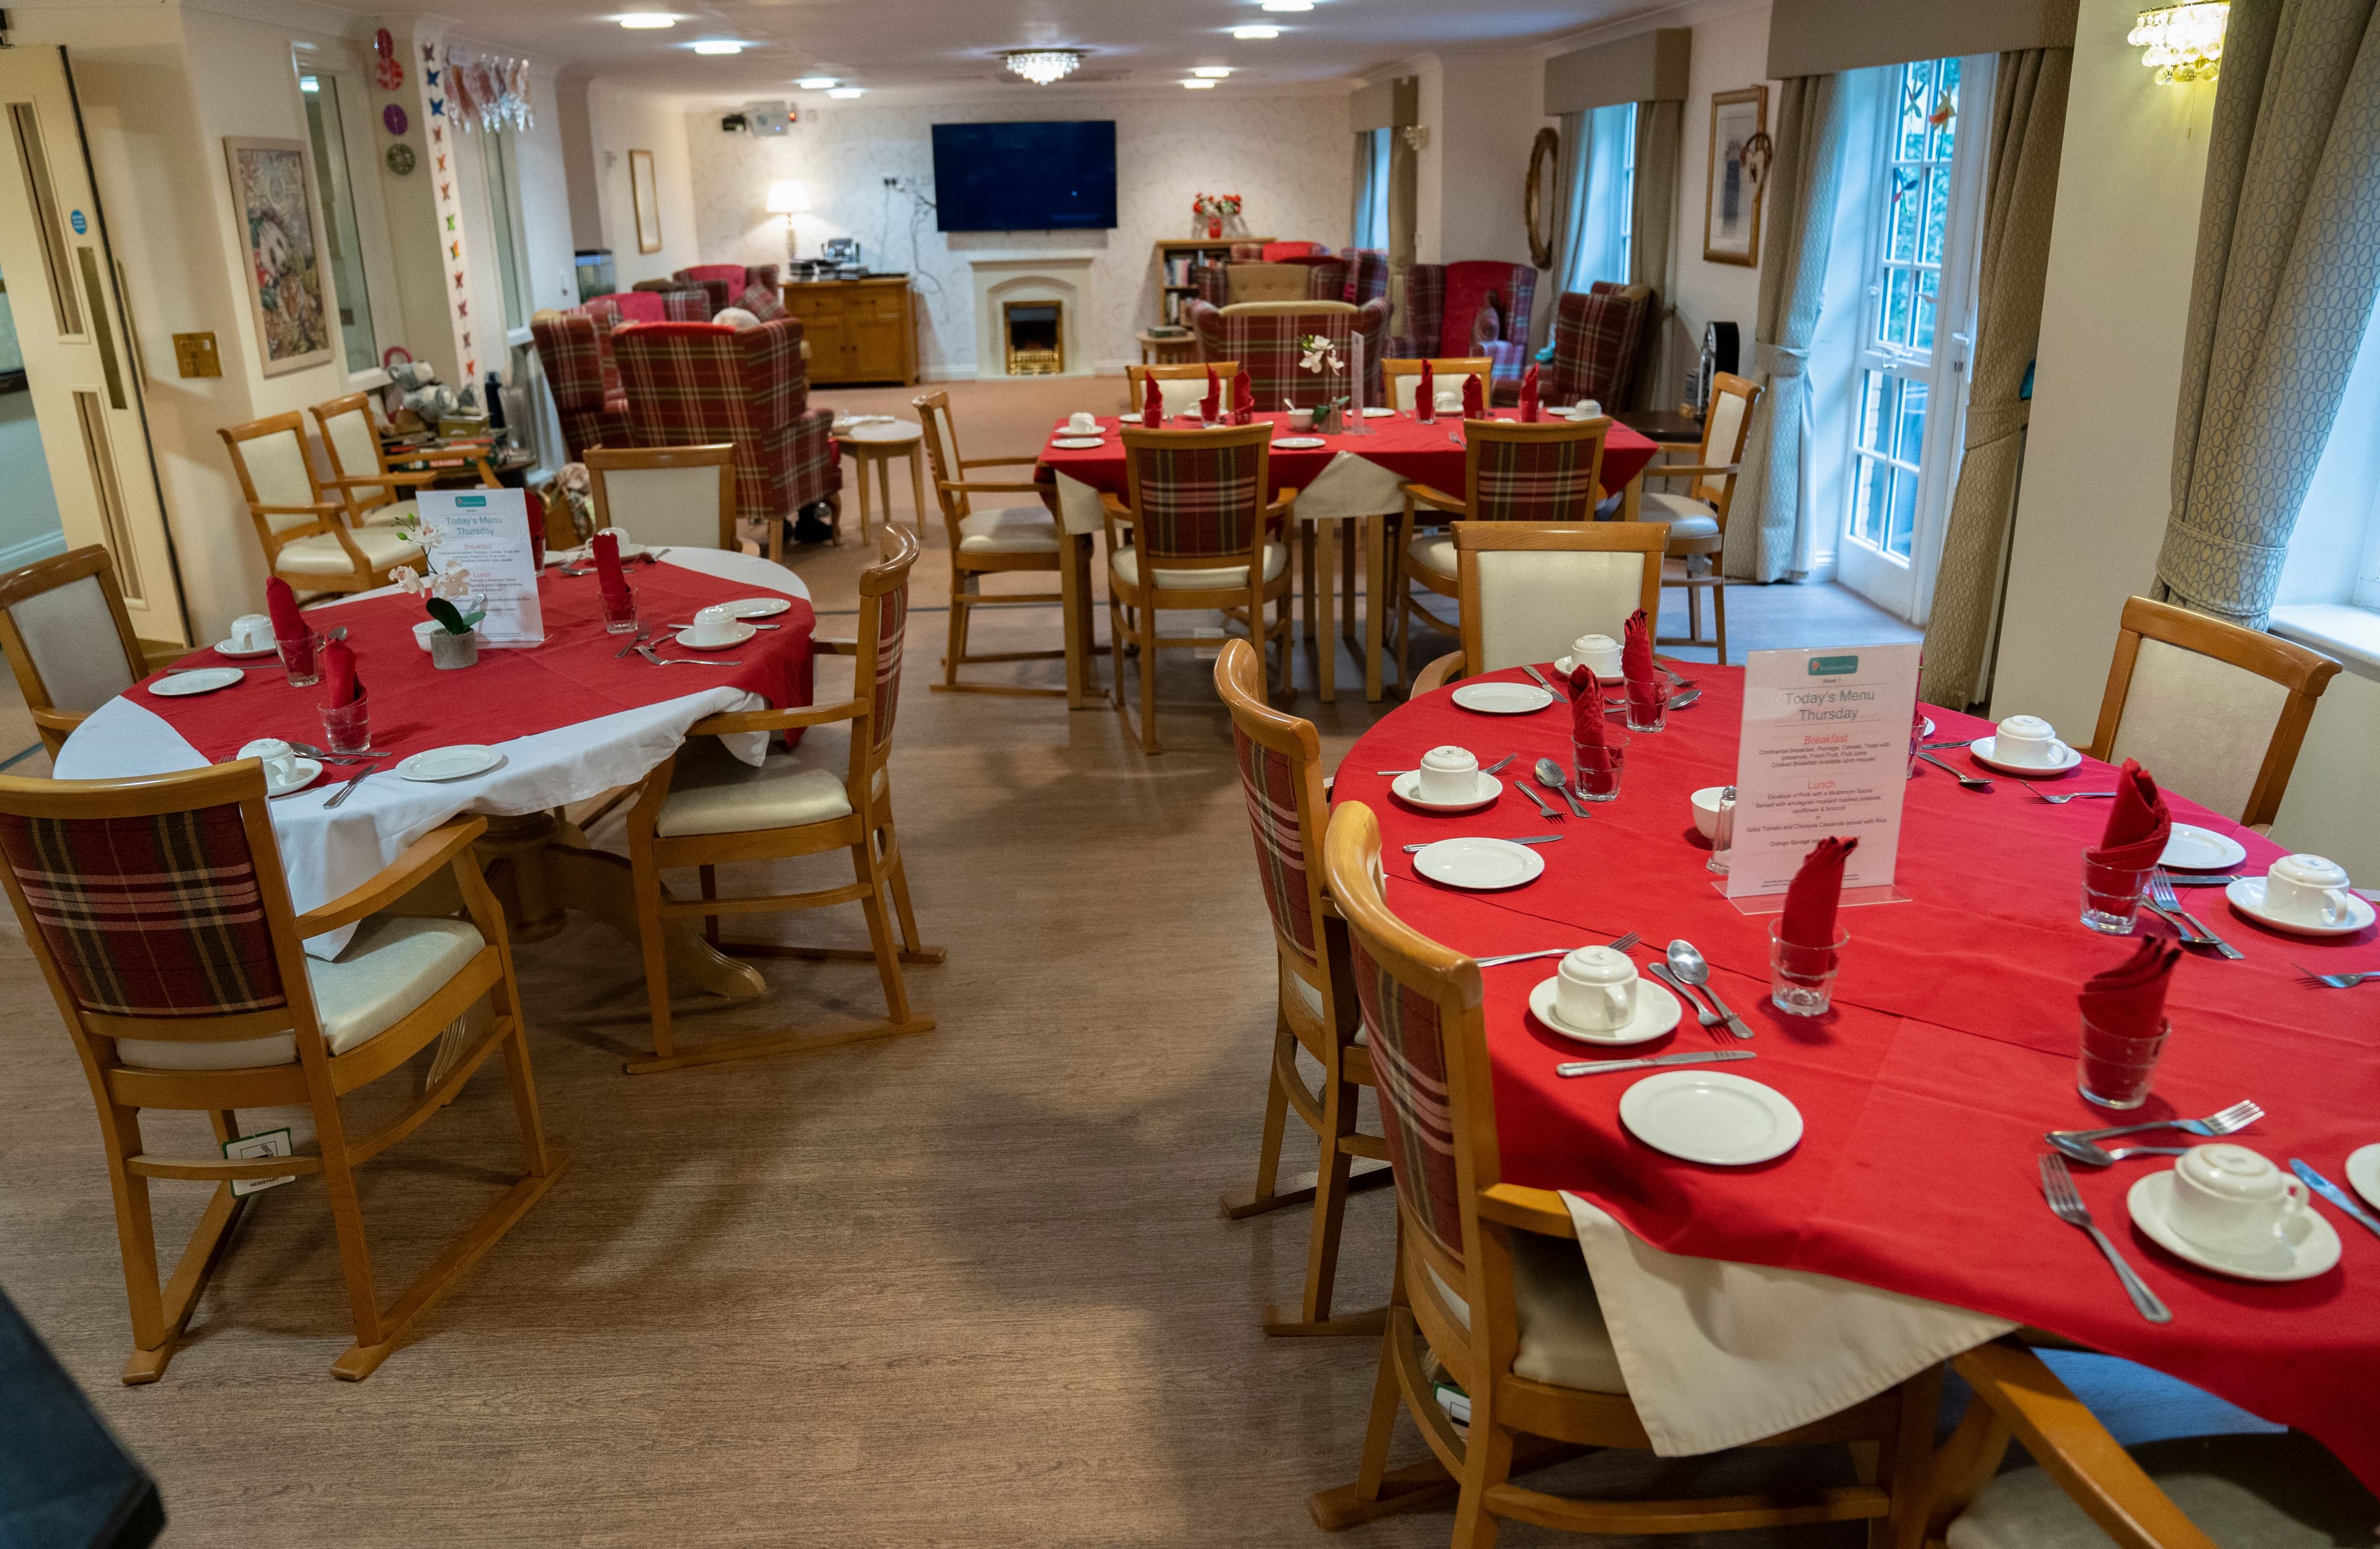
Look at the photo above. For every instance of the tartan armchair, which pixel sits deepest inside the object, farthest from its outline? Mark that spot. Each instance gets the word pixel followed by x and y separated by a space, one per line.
pixel 694 382
pixel 575 347
pixel 1443 303
pixel 726 284
pixel 1223 284
pixel 1367 275
pixel 1265 344
pixel 1598 339
pixel 668 302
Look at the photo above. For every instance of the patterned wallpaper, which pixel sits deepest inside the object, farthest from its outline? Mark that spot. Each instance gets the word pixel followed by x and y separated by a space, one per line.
pixel 1287 157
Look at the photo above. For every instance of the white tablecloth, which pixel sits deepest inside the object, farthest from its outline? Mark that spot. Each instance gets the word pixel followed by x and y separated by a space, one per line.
pixel 327 853
pixel 1348 485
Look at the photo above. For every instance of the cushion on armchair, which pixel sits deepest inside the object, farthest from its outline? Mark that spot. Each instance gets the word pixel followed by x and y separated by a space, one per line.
pixel 1474 294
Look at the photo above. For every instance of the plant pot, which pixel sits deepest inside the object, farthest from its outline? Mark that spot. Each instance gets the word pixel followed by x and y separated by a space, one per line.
pixel 448 650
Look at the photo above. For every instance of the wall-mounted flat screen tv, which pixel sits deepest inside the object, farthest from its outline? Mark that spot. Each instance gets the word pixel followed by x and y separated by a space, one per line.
pixel 1026 176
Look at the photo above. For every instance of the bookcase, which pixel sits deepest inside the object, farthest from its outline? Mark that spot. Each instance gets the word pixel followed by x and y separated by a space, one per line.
pixel 1174 260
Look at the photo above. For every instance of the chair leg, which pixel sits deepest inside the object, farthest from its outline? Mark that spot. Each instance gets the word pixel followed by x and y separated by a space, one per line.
pixel 896 873
pixel 1719 612
pixel 1330 1182
pixel 710 878
pixel 1149 744
pixel 1487 1463
pixel 347 1220
pixel 1694 614
pixel 879 930
pixel 955 651
pixel 1236 1203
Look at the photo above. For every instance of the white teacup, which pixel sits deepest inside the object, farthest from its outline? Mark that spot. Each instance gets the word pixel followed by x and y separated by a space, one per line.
pixel 1597 653
pixel 251 631
pixel 1450 775
pixel 2232 1198
pixel 1586 408
pixel 2027 740
pixel 1595 990
pixel 713 625
pixel 1301 419
pixel 279 759
pixel 1081 423
pixel 2309 889
pixel 1450 402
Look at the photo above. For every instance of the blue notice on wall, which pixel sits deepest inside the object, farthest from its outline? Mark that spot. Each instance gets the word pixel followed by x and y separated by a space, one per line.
pixel 79 224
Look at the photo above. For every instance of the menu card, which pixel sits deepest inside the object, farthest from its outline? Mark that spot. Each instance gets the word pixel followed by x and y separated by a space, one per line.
pixel 486 532
pixel 1824 751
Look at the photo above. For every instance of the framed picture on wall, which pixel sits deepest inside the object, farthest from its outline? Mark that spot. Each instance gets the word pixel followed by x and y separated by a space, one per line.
pixel 273 194
pixel 1731 198
pixel 647 199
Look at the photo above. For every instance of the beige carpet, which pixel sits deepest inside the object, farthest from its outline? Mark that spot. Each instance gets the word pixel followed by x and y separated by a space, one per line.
pixel 964 1288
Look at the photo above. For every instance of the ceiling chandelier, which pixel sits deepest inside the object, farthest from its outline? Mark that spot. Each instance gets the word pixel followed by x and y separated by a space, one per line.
pixel 1042 65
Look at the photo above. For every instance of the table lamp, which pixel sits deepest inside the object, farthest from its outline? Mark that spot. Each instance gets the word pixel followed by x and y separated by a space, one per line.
pixel 790 197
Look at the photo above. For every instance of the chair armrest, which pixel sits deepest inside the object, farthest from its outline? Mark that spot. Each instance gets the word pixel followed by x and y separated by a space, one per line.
pixel 319 508
pixel 1423 494
pixel 420 861
pixel 1435 674
pixel 1530 1209
pixel 1684 471
pixel 836 648
pixel 1283 506
pixel 996 462
pixel 1110 506
pixel 728 723
pixel 955 487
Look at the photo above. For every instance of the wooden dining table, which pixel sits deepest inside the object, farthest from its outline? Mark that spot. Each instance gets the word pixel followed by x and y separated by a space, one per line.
pixel 1950 1048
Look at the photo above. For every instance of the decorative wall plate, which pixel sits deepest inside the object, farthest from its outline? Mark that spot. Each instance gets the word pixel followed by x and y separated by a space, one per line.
pixel 400 159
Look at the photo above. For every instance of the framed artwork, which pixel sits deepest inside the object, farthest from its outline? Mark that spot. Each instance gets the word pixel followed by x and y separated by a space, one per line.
pixel 280 220
pixel 1739 168
pixel 647 202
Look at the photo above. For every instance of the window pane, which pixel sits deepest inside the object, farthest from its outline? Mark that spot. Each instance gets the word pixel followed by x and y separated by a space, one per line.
pixel 1937 212
pixel 336 191
pixel 1945 108
pixel 1909 142
pixel 1903 519
pixel 1911 443
pixel 1905 214
pixel 1898 291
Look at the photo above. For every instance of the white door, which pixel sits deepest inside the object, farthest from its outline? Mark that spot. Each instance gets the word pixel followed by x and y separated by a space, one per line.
pixel 80 364
pixel 1908 419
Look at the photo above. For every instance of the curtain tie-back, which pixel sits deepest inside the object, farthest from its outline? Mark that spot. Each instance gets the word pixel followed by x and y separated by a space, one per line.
pixel 1776 360
pixel 1987 422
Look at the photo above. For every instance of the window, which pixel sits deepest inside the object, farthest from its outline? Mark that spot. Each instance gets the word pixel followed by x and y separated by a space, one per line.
pixel 1608 171
pixel 501 181
pixel 336 187
pixel 1372 206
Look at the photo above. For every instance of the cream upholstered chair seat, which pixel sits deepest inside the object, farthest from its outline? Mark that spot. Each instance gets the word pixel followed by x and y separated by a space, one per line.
pixel 712 791
pixel 1010 530
pixel 1687 517
pixel 1127 565
pixel 320 555
pixel 1534 603
pixel 394 964
pixel 2270 1492
pixel 1564 1340
pixel 1434 552
pixel 2200 722
pixel 1284 308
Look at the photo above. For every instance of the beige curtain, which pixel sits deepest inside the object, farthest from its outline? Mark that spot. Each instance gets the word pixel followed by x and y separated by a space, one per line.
pixel 2289 261
pixel 1660 128
pixel 2028 127
pixel 1804 184
pixel 1570 216
pixel 1361 189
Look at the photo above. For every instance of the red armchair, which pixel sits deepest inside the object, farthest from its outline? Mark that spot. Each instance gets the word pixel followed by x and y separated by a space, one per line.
pixel 1599 342
pixel 1444 307
pixel 726 283
pixel 575 347
pixel 677 304
pixel 1264 342
pixel 694 382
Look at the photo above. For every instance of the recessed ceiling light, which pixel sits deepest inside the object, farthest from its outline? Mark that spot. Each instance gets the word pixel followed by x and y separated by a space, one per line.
pixel 1212 72
pixel 814 82
pixel 1256 33
pixel 1199 85
pixel 845 93
pixel 1289 5
pixel 643 21
pixel 719 45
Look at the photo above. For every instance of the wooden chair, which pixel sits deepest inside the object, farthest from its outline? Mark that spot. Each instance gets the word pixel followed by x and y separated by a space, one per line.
pixel 666 496
pixel 705 808
pixel 1545 472
pixel 1489 1281
pixel 983 542
pixel 2217 710
pixel 305 542
pixel 1698 519
pixel 1199 523
pixel 1280 759
pixel 375 491
pixel 197 995
pixel 2251 1491
pixel 58 618
pixel 1404 377
pixel 1527 590
pixel 1181 388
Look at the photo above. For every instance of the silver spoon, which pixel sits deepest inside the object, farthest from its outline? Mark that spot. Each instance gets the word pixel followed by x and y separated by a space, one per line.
pixel 1967 780
pixel 1490 770
pixel 1687 963
pixel 1549 775
pixel 326 755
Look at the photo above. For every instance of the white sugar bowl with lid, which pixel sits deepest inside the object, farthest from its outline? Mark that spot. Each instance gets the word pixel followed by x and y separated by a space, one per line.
pixel 1449 774
pixel 1595 990
pixel 2232 1198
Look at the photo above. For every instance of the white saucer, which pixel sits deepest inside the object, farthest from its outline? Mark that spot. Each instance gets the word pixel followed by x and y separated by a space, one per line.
pixel 756 607
pixel 1656 1013
pixel 1373 413
pixel 458 762
pixel 2247 895
pixel 1565 666
pixel 226 648
pixel 2312 1252
pixel 1406 787
pixel 2193 848
pixel 1079 442
pixel 1710 1115
pixel 1502 698
pixel 737 633
pixel 2363 1172
pixel 1298 442
pixel 1983 749
pixel 199 680
pixel 1481 865
pixel 306 771
pixel 1927 730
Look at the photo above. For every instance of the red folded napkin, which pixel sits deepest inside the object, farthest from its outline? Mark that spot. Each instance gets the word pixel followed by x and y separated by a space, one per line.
pixel 339 676
pixel 1647 688
pixel 607 570
pixel 1426 395
pixel 1475 399
pixel 1812 897
pixel 1243 397
pixel 1152 405
pixel 1211 408
pixel 2129 1000
pixel 1529 394
pixel 1589 735
pixel 288 624
pixel 2138 824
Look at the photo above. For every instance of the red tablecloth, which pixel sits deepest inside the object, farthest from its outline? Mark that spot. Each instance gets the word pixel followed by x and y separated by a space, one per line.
pixel 1401 444
pixel 573 676
pixel 1952 1048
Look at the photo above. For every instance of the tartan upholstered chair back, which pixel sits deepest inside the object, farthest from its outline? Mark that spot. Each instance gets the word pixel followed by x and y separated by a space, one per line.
pixel 883 628
pixel 1199 496
pixel 1443 302
pixel 1265 344
pixel 57 618
pixel 1598 340
pixel 721 282
pixel 1421 1010
pixel 1368 275
pixel 1526 589
pixel 1545 471
pixel 695 382
pixel 763 301
pixel 575 351
pixel 1279 761
pixel 629 306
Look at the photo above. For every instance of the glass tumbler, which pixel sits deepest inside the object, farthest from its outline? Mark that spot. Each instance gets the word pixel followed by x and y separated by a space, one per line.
pixel 2117 1068
pixel 1801 978
pixel 346 728
pixel 1598 770
pixel 620 618
pixel 2111 896
pixel 1652 711
pixel 301 658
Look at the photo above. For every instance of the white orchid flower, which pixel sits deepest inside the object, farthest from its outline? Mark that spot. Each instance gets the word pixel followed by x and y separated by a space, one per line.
pixel 408 578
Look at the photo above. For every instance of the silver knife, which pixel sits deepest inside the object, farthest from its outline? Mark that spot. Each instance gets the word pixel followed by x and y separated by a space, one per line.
pixel 1540 680
pixel 2202 879
pixel 2332 1192
pixel 1692 1057
pixel 349 789
pixel 1531 840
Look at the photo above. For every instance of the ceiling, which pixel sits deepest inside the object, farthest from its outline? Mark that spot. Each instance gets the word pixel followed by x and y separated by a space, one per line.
pixel 919 47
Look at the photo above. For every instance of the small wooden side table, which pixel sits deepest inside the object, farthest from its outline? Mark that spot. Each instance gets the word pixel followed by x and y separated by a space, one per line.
pixel 1168 349
pixel 878 445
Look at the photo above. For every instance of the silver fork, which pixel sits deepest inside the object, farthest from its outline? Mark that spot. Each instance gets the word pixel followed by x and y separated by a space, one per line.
pixel 2333 981
pixel 2040 795
pixel 2161 898
pixel 1711 1021
pixel 2229 1121
pixel 1970 781
pixel 1619 943
pixel 2058 1187
pixel 643 634
pixel 1543 811
pixel 647 652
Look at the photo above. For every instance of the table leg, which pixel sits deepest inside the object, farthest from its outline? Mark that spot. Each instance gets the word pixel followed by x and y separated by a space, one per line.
pixel 1376 602
pixel 1304 556
pixel 1326 639
pixel 884 487
pixel 1350 540
pixel 917 486
pixel 860 458
pixel 1632 498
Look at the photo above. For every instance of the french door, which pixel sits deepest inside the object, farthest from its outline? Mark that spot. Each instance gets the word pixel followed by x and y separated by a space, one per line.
pixel 1908 415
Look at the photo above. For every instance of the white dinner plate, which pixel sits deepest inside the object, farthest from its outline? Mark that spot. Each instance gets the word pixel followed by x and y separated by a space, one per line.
pixel 200 680
pixel 1927 730
pixel 2363 1172
pixel 737 633
pixel 2192 848
pixel 756 607
pixel 1564 666
pixel 1372 413
pixel 1656 1013
pixel 1502 698
pixel 2247 895
pixel 458 762
pixel 226 648
pixel 1710 1115
pixel 2311 1250
pixel 1482 865
pixel 303 773
pixel 1077 442
pixel 1407 788
pixel 1984 750
pixel 1298 442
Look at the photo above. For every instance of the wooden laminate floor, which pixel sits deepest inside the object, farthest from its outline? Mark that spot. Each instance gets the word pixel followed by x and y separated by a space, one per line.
pixel 962 1288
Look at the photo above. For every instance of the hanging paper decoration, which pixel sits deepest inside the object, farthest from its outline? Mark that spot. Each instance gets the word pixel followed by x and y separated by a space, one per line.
pixel 390 73
pixel 483 92
pixel 392 118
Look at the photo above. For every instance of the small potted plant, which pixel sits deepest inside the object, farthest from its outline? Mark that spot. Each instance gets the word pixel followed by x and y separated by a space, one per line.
pixel 1317 354
pixel 1214 209
pixel 446 593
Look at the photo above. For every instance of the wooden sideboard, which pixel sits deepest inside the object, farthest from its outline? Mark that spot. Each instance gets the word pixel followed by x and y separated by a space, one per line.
pixel 858 330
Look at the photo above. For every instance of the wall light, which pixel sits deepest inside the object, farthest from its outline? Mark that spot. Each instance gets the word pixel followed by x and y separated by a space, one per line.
pixel 1199 85
pixel 814 82
pixel 1255 34
pixel 719 45
pixel 844 94
pixel 1289 5
pixel 1212 72
pixel 2182 42
pixel 646 21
